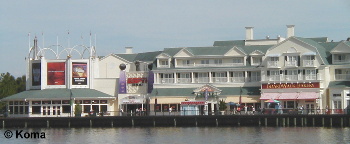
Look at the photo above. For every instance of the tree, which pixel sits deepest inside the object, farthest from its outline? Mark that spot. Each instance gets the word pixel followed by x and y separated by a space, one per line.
pixel 222 105
pixel 10 86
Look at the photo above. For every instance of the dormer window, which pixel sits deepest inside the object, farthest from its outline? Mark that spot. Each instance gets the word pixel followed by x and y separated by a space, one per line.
pixel 163 63
pixel 339 57
pixel 218 61
pixel 256 60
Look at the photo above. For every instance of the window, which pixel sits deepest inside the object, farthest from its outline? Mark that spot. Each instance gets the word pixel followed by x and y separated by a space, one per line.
pixel 204 61
pixel 310 57
pixel 203 75
pixel 238 60
pixel 288 104
pixel 164 62
pixel 185 75
pixel 274 59
pixel 86 108
pixel 36 109
pixel 336 95
pixel 339 57
pixel 337 104
pixel 218 61
pixel 186 62
pixel 66 109
pixel 257 60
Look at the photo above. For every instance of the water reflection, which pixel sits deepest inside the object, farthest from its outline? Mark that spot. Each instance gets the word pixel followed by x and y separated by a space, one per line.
pixel 182 135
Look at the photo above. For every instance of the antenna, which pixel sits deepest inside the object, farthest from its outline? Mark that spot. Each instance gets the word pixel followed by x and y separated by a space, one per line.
pixel 29 41
pixel 43 52
pixel 57 46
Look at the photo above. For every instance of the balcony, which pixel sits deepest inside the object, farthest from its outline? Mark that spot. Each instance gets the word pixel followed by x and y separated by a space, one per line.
pixel 237 79
pixel 291 63
pixel 274 78
pixel 342 76
pixel 254 79
pixel 272 64
pixel 163 66
pixel 211 65
pixel 167 80
pixel 184 80
pixel 219 79
pixel 202 80
pixel 291 77
pixel 309 63
pixel 311 77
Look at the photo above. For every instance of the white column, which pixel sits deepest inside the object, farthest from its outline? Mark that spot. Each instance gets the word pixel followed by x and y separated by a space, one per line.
pixel 210 80
pixel 175 77
pixel 228 76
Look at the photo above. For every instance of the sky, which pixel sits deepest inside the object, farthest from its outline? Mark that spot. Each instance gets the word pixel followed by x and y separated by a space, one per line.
pixel 153 25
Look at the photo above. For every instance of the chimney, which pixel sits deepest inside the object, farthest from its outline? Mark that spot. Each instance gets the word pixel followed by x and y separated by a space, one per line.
pixel 128 50
pixel 249 33
pixel 290 30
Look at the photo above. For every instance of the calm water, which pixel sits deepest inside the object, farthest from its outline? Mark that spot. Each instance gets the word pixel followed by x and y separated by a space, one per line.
pixel 181 135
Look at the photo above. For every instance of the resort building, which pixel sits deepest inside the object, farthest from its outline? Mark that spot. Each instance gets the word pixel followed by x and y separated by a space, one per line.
pixel 297 72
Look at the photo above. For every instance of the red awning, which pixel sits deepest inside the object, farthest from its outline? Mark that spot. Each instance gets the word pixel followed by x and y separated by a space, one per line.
pixel 308 95
pixel 267 96
pixel 288 96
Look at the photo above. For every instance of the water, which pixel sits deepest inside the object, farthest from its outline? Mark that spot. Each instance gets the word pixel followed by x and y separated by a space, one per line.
pixel 181 135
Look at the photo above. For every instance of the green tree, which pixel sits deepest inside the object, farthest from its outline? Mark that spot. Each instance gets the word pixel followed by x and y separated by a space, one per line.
pixel 10 86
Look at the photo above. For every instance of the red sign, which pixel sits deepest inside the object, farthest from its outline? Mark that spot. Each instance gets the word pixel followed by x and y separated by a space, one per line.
pixel 137 80
pixel 193 103
pixel 290 85
pixel 56 73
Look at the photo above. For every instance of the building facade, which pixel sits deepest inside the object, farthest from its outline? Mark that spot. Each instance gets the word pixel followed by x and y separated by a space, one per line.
pixel 297 72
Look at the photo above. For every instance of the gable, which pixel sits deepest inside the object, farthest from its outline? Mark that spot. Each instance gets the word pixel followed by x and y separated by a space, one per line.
pixel 256 52
pixel 235 51
pixel 341 48
pixel 163 56
pixel 208 88
pixel 183 53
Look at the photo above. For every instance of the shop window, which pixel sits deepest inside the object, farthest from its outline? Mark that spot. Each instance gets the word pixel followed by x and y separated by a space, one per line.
pixel 21 110
pixel 36 109
pixel 288 104
pixel 104 108
pixel 174 107
pixel 157 107
pixel 16 110
pixel 165 107
pixel 66 109
pixel 26 109
pixel 86 108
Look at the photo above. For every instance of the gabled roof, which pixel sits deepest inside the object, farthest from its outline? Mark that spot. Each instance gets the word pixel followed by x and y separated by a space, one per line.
pixel 230 43
pixel 145 57
pixel 59 94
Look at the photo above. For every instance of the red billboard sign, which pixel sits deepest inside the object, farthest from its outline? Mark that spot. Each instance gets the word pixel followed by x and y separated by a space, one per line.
pixel 56 73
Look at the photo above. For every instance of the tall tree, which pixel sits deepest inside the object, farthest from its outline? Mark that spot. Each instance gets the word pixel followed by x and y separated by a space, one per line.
pixel 10 86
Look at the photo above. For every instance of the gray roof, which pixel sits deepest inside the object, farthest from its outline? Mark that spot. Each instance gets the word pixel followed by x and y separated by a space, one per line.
pixel 339 84
pixel 59 94
pixel 145 57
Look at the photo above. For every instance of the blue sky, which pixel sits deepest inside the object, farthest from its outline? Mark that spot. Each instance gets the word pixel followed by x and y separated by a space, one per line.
pixel 156 24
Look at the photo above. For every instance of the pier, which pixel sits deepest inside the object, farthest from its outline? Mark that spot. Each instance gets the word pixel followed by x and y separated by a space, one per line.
pixel 180 121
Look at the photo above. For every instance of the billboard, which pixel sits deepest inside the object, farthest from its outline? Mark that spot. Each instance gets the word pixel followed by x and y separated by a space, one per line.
pixel 79 74
pixel 36 74
pixel 56 73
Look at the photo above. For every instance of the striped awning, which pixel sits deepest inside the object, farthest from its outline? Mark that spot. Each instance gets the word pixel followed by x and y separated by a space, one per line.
pixel 288 96
pixel 267 96
pixel 308 95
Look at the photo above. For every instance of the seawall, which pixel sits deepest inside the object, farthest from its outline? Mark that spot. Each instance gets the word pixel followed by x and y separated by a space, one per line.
pixel 179 121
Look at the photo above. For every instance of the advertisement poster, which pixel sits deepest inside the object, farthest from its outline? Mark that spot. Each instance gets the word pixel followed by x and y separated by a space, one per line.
pixel 56 73
pixel 36 74
pixel 79 74
pixel 122 82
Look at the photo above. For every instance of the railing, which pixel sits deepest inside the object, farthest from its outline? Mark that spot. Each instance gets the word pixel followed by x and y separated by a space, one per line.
pixel 202 80
pixel 184 80
pixel 272 64
pixel 341 61
pixel 308 63
pixel 163 66
pixel 254 79
pixel 167 80
pixel 291 77
pixel 210 65
pixel 267 111
pixel 342 76
pixel 274 78
pixel 310 77
pixel 294 77
pixel 237 79
pixel 219 79
pixel 291 63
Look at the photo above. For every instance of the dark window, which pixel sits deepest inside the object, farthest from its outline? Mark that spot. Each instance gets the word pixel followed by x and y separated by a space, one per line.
pixel 36 109
pixel 86 108
pixel 26 109
pixel 157 107
pixel 66 109
pixel 103 108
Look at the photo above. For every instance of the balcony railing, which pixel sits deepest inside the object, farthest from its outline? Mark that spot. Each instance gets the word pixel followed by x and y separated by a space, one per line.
pixel 184 80
pixel 310 77
pixel 202 80
pixel 237 79
pixel 167 80
pixel 163 66
pixel 219 79
pixel 342 76
pixel 293 77
pixel 341 61
pixel 309 63
pixel 291 63
pixel 210 65
pixel 254 79
pixel 272 64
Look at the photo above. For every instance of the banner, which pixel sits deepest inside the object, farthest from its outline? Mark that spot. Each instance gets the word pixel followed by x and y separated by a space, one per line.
pixel 150 81
pixel 56 73
pixel 79 74
pixel 122 82
pixel 290 85
pixel 36 74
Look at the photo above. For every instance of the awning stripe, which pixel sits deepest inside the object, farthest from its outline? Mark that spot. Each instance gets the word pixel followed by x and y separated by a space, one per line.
pixel 288 96
pixel 308 95
pixel 267 96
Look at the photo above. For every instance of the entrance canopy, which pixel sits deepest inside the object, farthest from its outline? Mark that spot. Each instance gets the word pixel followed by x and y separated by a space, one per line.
pixel 193 103
pixel 288 96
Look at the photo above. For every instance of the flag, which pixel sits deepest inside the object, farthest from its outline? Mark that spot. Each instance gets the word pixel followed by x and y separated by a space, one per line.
pixel 206 94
